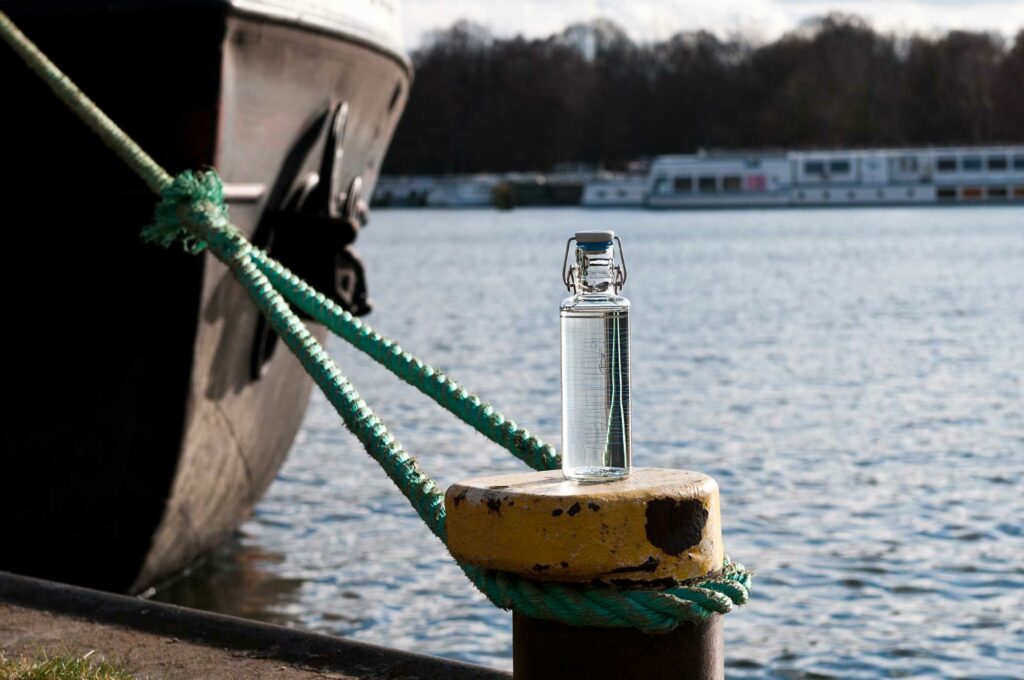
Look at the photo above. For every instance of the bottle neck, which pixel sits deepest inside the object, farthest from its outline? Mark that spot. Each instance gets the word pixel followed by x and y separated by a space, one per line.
pixel 595 272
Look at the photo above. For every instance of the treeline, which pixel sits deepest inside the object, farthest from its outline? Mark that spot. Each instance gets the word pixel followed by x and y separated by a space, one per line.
pixel 591 94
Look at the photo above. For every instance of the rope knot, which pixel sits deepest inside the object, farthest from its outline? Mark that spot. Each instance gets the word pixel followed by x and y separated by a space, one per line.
pixel 584 604
pixel 192 197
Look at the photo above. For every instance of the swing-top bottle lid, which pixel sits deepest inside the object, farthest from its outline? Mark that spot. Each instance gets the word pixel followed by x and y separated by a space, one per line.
pixel 596 246
pixel 594 237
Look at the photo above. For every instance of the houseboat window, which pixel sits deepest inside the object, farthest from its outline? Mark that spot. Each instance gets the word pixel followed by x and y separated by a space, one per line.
pixel 601 193
pixel 972 163
pixel 684 183
pixel 839 167
pixel 814 167
pixel 997 162
pixel 907 164
pixel 753 163
pixel 946 164
pixel 731 183
pixel 660 184
pixel 997 192
pixel 1018 162
pixel 946 193
pixel 707 185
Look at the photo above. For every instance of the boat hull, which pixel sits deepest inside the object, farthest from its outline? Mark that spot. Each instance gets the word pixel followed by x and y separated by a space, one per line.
pixel 140 434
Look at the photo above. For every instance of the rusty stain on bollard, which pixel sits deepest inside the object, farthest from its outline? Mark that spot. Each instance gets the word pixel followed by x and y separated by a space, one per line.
pixel 652 529
pixel 674 525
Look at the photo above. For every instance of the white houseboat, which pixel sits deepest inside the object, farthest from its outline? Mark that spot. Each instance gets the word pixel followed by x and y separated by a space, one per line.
pixel 721 180
pixel 841 178
pixel 862 177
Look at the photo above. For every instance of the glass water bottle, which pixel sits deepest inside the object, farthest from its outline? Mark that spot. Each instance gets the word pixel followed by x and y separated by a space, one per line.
pixel 595 361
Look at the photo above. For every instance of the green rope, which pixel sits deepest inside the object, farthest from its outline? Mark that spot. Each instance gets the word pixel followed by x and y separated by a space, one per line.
pixel 192 210
pixel 574 604
pixel 653 611
pixel 207 221
pixel 188 188
pixel 206 186
pixel 428 380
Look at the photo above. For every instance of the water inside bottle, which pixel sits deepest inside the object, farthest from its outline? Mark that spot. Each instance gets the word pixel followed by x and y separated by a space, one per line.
pixel 595 392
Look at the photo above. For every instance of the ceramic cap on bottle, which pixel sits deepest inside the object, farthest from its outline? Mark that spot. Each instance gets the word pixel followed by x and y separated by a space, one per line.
pixel 590 237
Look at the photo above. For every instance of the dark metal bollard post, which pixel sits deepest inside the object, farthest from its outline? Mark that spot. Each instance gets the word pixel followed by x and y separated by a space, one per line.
pixel 653 528
pixel 547 649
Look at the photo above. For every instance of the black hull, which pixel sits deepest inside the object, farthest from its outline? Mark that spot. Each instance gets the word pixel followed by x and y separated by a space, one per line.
pixel 137 436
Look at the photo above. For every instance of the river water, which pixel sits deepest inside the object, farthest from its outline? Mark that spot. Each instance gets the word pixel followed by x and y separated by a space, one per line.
pixel 852 379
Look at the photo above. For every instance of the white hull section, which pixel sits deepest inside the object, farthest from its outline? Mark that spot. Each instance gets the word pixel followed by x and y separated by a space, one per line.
pixel 759 200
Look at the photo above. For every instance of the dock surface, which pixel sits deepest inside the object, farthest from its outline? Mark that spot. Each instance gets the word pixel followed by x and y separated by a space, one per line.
pixel 165 641
pixel 29 632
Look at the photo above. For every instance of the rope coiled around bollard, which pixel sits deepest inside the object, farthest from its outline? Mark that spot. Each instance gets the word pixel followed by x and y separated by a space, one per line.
pixel 652 611
pixel 192 211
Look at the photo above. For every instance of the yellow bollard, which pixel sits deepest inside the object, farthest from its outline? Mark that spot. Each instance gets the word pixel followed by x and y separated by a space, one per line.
pixel 652 529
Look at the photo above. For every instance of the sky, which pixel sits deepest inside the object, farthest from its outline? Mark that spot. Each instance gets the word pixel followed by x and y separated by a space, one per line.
pixel 649 20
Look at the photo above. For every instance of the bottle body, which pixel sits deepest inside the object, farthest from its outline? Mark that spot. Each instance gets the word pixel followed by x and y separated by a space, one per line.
pixel 595 387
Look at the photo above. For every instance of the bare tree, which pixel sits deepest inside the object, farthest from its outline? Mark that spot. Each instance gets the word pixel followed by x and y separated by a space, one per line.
pixel 591 94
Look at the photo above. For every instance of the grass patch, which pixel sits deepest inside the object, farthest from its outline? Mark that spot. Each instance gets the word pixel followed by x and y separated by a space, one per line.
pixel 61 667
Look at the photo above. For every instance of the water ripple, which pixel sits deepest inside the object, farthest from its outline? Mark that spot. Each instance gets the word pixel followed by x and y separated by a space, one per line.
pixel 853 379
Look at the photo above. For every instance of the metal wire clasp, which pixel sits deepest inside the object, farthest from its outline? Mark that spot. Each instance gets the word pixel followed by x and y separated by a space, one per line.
pixel 620 272
pixel 568 271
